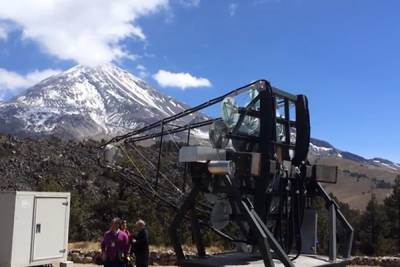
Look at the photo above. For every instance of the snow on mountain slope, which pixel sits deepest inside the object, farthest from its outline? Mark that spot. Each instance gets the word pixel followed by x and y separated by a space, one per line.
pixel 87 102
pixel 385 163
pixel 319 148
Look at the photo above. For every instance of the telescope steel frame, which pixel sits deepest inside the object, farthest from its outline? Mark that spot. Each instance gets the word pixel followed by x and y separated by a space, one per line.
pixel 255 213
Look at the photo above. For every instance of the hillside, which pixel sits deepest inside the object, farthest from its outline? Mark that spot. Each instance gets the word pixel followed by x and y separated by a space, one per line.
pixel 357 181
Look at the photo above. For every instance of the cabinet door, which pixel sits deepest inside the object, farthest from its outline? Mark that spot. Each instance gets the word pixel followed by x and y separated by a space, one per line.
pixel 309 232
pixel 49 228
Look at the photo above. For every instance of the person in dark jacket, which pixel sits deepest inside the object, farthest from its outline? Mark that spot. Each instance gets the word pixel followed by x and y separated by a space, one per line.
pixel 140 244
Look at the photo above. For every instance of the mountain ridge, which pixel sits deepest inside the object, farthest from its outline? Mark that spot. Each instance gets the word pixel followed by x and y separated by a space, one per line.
pixel 329 150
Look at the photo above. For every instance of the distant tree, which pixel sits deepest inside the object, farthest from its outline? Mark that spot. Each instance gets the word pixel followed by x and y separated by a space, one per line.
pixel 49 184
pixel 353 216
pixel 374 229
pixel 392 209
pixel 319 205
pixel 78 219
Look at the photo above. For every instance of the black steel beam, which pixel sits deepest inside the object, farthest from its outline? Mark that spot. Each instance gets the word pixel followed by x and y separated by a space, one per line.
pixel 197 237
pixel 302 130
pixel 284 94
pixel 266 148
pixel 262 238
pixel 282 256
pixel 350 231
pixel 172 131
pixel 206 104
pixel 187 205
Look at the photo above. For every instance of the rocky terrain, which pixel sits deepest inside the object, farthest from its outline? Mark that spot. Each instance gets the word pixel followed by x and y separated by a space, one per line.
pixel 27 164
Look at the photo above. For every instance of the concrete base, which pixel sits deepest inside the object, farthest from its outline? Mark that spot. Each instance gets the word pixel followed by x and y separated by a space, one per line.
pixel 238 259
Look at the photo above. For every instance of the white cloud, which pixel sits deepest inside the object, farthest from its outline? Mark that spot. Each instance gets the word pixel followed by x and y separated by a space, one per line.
pixel 232 9
pixel 190 3
pixel 140 67
pixel 142 71
pixel 12 83
pixel 86 31
pixel 4 29
pixel 261 2
pixel 3 33
pixel 180 79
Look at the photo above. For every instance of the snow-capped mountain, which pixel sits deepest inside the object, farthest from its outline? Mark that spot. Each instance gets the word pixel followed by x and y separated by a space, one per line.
pixel 87 102
pixel 320 148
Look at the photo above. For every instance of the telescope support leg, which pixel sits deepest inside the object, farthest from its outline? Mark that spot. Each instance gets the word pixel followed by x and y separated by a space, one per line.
pixel 173 228
pixel 261 236
pixel 332 232
pixel 201 251
pixel 264 236
pixel 269 238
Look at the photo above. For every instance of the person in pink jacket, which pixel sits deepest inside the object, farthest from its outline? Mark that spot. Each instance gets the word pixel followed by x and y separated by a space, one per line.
pixel 115 245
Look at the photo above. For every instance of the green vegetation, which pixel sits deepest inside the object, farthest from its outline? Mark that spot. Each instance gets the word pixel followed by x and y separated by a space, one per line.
pixel 376 230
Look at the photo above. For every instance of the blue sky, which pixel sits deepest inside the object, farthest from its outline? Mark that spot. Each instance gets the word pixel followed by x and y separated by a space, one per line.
pixel 343 54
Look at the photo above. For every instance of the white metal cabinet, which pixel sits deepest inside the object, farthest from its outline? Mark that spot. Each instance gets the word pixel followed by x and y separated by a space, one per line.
pixel 35 225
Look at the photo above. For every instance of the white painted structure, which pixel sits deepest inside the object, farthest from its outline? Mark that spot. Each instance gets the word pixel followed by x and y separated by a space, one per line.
pixel 33 228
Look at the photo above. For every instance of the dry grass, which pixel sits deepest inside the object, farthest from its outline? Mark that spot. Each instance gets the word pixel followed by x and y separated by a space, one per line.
pixel 95 246
pixel 84 246
pixel 357 191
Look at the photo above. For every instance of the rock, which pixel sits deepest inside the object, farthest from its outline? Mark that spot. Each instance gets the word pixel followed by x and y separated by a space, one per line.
pixel 91 254
pixel 88 260
pixel 98 259
pixel 376 261
pixel 77 258
pixel 172 259
pixel 153 257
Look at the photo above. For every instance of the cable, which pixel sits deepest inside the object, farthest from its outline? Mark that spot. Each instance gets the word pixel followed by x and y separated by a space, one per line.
pixel 137 169
pixel 152 165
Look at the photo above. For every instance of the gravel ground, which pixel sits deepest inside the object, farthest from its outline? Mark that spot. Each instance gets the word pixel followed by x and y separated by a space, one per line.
pixel 94 265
